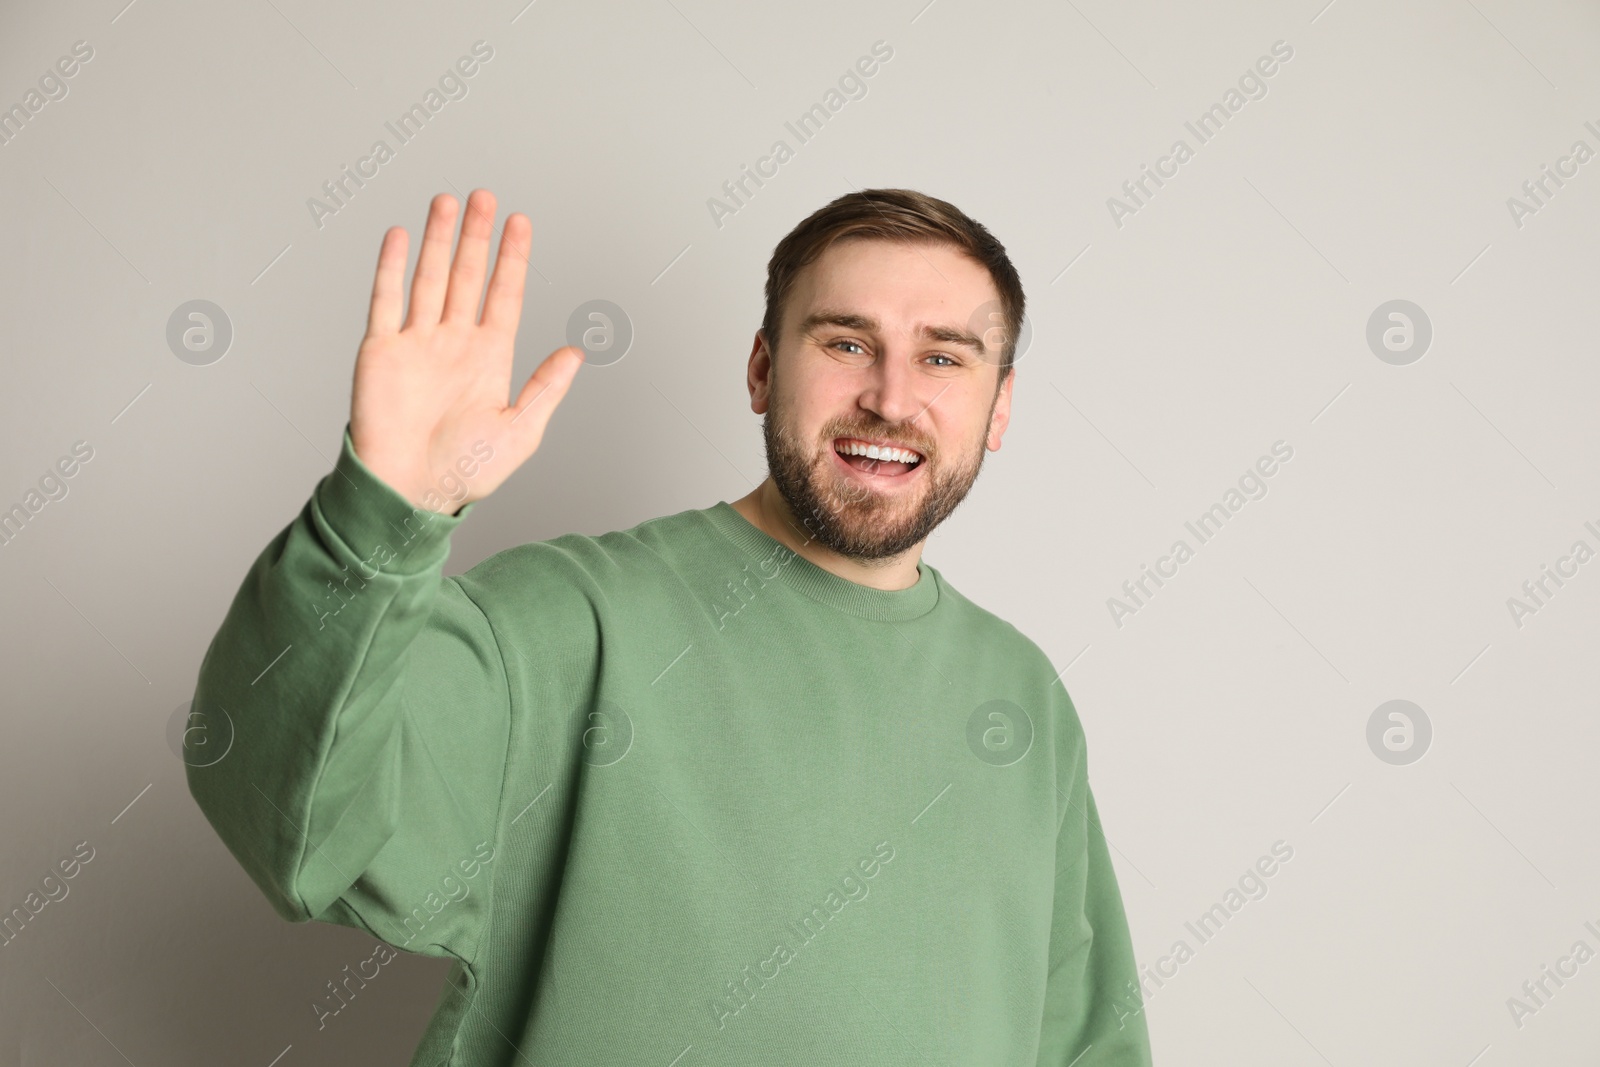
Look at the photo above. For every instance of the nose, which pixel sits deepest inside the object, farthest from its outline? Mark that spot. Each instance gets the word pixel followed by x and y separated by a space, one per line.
pixel 893 388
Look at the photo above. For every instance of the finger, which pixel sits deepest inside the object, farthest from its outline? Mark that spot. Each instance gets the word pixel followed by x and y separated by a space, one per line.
pixel 388 284
pixel 502 309
pixel 472 252
pixel 544 390
pixel 427 285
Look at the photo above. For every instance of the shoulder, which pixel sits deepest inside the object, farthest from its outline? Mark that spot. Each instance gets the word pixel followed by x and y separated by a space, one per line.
pixel 1034 670
pixel 558 596
pixel 990 629
pixel 590 562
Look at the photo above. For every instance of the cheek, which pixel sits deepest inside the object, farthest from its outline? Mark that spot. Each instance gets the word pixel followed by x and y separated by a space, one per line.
pixel 961 447
pixel 804 417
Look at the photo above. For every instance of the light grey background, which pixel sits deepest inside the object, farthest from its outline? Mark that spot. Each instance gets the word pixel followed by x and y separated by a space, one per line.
pixel 1168 354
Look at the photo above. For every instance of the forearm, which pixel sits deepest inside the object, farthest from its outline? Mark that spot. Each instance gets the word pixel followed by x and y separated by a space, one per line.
pixel 305 676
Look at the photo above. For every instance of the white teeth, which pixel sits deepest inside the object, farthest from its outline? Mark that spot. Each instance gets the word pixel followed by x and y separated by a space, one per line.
pixel 855 448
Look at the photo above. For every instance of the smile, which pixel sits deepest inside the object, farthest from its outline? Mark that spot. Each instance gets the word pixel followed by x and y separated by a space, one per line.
pixel 889 464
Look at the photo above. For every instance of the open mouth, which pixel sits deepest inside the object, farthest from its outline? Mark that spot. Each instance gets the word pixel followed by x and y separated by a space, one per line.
pixel 880 460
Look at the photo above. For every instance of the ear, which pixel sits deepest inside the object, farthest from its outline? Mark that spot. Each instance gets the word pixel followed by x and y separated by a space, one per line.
pixel 1000 418
pixel 758 375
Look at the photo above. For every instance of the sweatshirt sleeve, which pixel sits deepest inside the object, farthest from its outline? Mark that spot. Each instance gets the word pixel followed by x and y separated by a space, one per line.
pixel 1093 1008
pixel 353 719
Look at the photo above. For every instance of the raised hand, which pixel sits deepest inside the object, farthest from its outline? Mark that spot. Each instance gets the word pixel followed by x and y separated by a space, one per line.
pixel 428 391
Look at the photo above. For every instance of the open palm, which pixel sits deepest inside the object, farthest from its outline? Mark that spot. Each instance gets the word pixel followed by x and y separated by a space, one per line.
pixel 428 390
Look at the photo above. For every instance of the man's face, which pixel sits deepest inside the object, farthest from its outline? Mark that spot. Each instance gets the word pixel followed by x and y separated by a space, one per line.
pixel 873 347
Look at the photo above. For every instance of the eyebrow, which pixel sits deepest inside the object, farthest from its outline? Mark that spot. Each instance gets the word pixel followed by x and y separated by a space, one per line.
pixel 851 320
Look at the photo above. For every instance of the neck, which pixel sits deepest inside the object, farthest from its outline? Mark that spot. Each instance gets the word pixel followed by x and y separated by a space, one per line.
pixel 766 510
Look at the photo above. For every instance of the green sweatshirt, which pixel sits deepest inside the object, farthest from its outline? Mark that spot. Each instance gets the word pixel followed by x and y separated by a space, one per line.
pixel 672 795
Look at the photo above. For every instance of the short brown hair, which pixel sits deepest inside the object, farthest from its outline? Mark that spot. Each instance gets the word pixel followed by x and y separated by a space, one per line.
pixel 902 215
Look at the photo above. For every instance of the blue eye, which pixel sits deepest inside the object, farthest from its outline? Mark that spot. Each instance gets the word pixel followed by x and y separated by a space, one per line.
pixel 949 360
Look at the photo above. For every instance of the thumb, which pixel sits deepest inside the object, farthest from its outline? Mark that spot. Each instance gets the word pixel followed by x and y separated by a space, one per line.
pixel 544 390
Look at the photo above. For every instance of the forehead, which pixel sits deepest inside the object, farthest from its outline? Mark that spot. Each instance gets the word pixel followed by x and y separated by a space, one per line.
pixel 894 281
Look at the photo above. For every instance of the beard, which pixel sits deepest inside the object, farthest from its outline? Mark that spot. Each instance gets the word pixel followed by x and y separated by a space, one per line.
pixel 852 519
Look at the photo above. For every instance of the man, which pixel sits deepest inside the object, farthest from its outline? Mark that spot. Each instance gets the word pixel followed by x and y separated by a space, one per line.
pixel 744 784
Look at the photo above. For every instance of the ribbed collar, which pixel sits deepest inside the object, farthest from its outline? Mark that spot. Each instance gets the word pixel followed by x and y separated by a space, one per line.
pixel 823 586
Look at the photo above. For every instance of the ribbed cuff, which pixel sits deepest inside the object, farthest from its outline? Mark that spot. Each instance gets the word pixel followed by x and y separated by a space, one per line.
pixel 369 515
